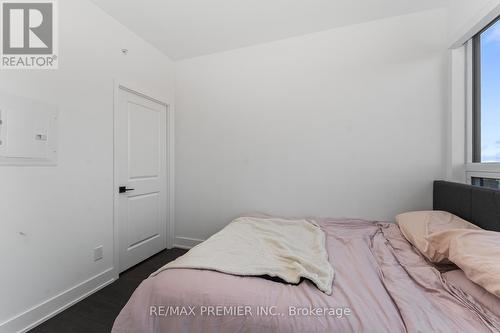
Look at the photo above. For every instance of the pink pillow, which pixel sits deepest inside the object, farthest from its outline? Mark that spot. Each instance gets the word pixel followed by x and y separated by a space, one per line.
pixel 417 226
pixel 476 252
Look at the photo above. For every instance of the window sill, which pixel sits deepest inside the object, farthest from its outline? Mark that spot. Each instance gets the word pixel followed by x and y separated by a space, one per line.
pixel 483 167
pixel 482 170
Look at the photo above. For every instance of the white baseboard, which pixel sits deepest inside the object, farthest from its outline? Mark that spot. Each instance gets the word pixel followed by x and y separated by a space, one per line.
pixel 49 308
pixel 186 242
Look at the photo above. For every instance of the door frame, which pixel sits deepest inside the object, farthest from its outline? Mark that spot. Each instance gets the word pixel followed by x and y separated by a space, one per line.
pixel 170 135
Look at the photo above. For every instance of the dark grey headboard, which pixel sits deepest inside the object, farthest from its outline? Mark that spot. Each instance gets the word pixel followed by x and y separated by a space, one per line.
pixel 478 205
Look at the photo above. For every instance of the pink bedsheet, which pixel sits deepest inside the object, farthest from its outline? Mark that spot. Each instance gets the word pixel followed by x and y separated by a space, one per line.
pixel 382 285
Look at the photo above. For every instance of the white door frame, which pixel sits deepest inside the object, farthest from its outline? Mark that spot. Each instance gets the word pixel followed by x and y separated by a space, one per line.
pixel 131 88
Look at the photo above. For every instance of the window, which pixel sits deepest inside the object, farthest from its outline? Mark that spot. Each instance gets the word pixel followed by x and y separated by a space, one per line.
pixel 486 99
pixel 486 182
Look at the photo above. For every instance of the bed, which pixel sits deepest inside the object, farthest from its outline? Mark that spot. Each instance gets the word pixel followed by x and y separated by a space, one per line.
pixel 382 284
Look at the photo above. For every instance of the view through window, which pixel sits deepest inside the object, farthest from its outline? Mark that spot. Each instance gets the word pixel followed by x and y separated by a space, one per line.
pixel 487 94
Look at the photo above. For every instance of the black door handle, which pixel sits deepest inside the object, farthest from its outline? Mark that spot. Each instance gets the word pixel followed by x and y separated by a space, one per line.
pixel 124 189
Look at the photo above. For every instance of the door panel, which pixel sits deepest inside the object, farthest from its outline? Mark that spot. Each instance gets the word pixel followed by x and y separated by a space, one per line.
pixel 144 127
pixel 144 218
pixel 140 158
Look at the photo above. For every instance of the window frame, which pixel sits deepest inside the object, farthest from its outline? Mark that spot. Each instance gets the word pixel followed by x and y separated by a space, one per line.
pixel 475 77
pixel 477 174
pixel 476 97
pixel 472 59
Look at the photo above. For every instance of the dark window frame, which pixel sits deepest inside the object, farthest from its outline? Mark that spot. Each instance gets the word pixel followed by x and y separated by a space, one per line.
pixel 476 93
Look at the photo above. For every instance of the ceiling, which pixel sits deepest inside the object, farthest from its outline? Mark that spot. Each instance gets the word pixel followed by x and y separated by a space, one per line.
pixel 188 28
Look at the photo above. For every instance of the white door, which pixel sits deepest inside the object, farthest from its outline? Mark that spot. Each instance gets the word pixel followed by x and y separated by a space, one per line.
pixel 141 177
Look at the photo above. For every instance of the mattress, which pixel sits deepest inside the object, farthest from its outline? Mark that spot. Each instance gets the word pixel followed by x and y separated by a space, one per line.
pixel 382 284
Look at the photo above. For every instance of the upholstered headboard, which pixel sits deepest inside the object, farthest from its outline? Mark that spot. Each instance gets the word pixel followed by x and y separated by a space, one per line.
pixel 477 205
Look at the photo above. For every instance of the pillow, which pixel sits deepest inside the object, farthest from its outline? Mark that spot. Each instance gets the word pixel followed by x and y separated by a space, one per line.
pixel 417 226
pixel 476 252
pixel 485 299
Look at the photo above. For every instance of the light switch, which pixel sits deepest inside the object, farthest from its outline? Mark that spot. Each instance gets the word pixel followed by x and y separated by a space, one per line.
pixel 41 137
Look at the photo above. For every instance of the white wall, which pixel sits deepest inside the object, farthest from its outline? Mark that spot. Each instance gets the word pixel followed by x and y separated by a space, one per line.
pixel 456 125
pixel 66 211
pixel 347 122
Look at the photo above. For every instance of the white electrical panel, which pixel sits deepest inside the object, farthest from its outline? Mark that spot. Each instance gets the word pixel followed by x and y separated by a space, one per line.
pixel 28 132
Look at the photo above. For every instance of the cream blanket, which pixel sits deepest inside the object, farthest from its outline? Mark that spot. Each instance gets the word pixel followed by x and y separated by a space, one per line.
pixel 248 246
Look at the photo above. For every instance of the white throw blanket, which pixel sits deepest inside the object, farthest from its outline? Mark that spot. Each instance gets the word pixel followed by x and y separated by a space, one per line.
pixel 248 246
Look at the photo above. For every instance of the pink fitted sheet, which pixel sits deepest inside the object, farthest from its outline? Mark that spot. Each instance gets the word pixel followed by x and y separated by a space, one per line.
pixel 382 284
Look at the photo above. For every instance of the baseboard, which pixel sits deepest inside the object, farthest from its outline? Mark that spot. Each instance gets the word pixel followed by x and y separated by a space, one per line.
pixel 186 242
pixel 49 308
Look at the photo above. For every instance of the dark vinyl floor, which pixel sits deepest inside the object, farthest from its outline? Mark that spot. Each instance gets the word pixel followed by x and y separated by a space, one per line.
pixel 96 313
